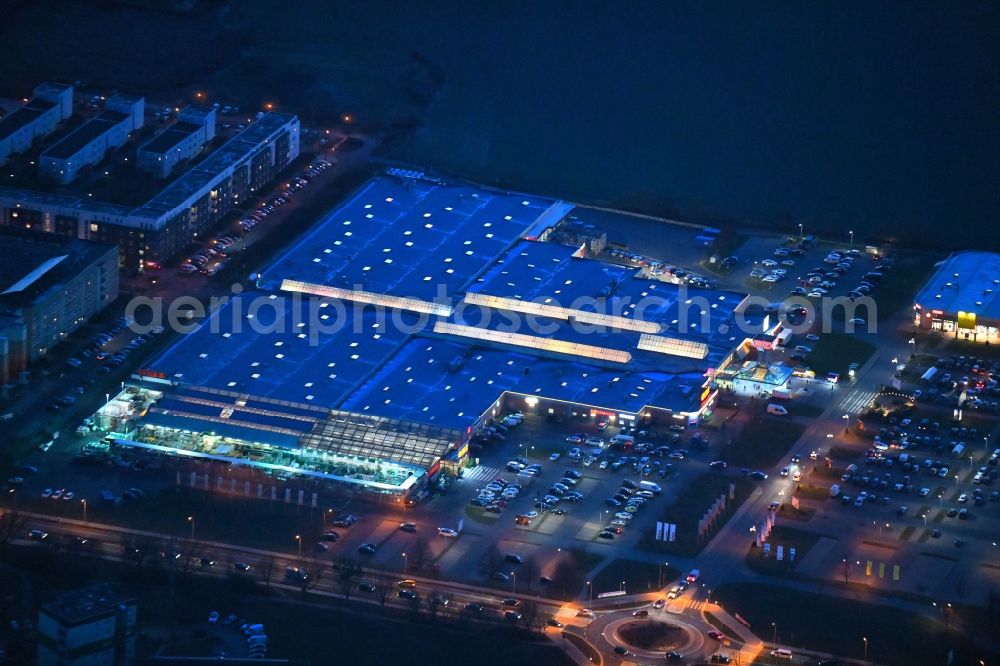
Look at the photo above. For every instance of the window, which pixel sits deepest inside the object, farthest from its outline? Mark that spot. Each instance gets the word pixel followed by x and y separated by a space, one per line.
pixel 673 346
pixel 94 228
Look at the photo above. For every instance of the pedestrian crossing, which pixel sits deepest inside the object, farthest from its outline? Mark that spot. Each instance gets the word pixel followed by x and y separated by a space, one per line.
pixel 684 603
pixel 856 402
pixel 480 473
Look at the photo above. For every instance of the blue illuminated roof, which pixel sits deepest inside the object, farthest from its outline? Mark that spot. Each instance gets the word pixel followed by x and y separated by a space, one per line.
pixel 463 238
pixel 292 349
pixel 406 239
pixel 418 384
pixel 965 282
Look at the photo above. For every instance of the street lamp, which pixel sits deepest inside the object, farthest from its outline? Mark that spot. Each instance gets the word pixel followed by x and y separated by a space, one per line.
pixel 84 502
pixel 191 520
pixel 865 639
pixel 774 634
pixel 325 514
pixel 622 587
pixel 852 238
pixel 404 563
pixel 661 573
pixel 298 539
pixel 513 582
pixel 801 234
pixel 590 590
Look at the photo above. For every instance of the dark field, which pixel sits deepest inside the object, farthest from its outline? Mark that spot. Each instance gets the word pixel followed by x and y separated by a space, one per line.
pixel 836 625
pixel 880 118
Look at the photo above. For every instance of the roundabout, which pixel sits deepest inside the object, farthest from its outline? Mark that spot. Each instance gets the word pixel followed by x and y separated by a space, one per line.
pixel 651 637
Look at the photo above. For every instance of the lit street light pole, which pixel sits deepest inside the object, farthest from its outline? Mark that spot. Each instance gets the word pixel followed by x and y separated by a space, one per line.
pixel 852 239
pixel 84 502
pixel 774 634
pixel 865 639
pixel 191 520
pixel 404 563
pixel 590 590
pixel 298 539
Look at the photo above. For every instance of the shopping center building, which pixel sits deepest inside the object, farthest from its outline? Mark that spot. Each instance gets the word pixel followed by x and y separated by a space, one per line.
pixel 962 298
pixel 404 323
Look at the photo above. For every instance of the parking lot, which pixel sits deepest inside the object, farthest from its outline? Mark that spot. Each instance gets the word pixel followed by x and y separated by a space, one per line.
pixel 802 267
pixel 525 525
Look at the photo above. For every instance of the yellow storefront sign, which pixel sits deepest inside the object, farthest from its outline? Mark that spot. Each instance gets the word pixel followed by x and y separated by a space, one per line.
pixel 966 319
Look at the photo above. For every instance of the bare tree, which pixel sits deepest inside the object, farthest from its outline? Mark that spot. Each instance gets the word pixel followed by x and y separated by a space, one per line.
pixel 347 570
pixel 12 525
pixel 529 615
pixel 382 590
pixel 415 604
pixel 265 571
pixel 433 603
pixel 491 559
pixel 421 553
pixel 567 578
pixel 310 580
pixel 530 570
pixel 140 550
pixel 189 555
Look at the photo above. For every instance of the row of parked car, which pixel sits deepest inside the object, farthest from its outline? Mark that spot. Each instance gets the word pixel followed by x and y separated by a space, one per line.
pixel 629 499
pixel 660 269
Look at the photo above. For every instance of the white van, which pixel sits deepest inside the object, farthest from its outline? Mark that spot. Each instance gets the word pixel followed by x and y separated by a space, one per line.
pixel 782 653
pixel 777 410
pixel 650 486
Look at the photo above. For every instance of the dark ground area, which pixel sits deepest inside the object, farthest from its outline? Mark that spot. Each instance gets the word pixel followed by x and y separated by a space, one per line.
pixel 837 625
pixel 880 118
pixel 316 631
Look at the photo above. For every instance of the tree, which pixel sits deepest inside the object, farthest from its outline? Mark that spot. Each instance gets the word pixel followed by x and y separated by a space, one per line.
pixel 189 555
pixel 382 590
pixel 265 570
pixel 347 570
pixel 420 554
pixel 530 570
pixel 568 576
pixel 12 525
pixel 433 604
pixel 529 614
pixel 491 559
pixel 311 580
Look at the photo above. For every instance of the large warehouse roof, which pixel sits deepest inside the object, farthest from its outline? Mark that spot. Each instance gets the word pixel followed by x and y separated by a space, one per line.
pixel 407 239
pixel 965 282
pixel 279 345
pixel 450 384
pixel 375 265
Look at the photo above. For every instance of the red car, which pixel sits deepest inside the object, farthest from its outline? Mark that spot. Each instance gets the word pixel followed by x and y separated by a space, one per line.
pixel 716 634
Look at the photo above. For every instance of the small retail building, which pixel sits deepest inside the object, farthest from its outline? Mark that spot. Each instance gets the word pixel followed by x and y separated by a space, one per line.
pixel 962 298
